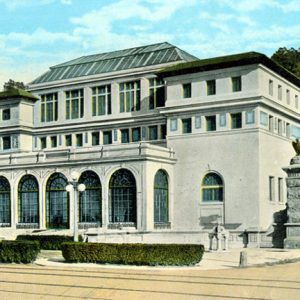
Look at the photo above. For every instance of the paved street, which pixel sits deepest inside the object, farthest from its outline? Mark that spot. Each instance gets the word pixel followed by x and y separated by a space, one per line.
pixel 54 282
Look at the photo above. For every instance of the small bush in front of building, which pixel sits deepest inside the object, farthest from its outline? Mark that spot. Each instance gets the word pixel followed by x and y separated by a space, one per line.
pixel 18 251
pixel 47 242
pixel 134 254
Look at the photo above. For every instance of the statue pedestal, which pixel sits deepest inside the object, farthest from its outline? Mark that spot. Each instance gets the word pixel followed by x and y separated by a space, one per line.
pixel 292 240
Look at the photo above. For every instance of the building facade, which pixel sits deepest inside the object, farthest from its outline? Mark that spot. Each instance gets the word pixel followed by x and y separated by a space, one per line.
pixel 167 146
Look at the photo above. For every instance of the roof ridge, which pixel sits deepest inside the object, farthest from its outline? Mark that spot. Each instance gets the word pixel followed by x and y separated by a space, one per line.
pixel 111 52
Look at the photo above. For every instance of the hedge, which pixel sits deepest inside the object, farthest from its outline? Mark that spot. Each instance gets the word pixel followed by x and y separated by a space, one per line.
pixel 18 251
pixel 133 254
pixel 47 242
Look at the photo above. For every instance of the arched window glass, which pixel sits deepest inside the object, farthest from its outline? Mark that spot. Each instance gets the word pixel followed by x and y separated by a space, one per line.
pixel 28 200
pixel 4 202
pixel 161 197
pixel 57 202
pixel 122 202
pixel 212 187
pixel 90 199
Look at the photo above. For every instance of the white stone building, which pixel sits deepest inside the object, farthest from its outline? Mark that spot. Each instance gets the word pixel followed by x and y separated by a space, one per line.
pixel 166 144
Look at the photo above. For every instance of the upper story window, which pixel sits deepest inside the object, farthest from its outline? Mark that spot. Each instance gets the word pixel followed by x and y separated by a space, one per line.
pixel 79 140
pixel 279 92
pixel 49 107
pixel 153 133
pixel 271 87
pixel 236 83
pixel 6 142
pixel 212 188
pixel 288 97
pixel 95 138
pixel 53 140
pixel 236 120
pixel 210 123
pixel 163 131
pixel 6 114
pixel 74 104
pixel 101 100
pixel 107 137
pixel 43 141
pixel 136 134
pixel 211 87
pixel 156 93
pixel 187 125
pixel 187 90
pixel 68 140
pixel 125 135
pixel 130 96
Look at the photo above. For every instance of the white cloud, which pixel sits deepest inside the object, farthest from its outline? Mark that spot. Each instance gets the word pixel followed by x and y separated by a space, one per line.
pixel 17 4
pixel 66 2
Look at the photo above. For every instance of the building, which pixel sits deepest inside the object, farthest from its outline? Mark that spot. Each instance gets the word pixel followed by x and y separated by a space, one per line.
pixel 167 146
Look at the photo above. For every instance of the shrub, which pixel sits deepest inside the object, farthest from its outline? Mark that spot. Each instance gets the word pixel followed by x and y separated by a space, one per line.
pixel 18 251
pixel 47 242
pixel 133 254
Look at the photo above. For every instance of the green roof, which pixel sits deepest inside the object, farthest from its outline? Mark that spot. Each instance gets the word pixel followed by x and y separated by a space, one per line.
pixel 17 93
pixel 138 57
pixel 228 61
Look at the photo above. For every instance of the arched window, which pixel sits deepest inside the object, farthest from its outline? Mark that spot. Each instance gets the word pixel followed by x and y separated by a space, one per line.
pixel 212 188
pixel 122 202
pixel 161 197
pixel 28 200
pixel 90 199
pixel 57 202
pixel 4 202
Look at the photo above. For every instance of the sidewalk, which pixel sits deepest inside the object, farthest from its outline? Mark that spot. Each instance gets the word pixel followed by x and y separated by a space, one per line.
pixel 210 261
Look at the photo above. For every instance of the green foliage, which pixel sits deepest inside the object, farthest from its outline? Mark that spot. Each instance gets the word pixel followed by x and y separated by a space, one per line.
pixel 289 59
pixel 47 242
pixel 13 84
pixel 133 254
pixel 18 251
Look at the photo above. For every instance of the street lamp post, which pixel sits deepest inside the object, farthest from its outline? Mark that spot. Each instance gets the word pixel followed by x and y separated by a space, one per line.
pixel 76 188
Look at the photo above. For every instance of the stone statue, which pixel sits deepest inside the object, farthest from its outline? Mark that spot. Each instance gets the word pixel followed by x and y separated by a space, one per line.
pixel 296 146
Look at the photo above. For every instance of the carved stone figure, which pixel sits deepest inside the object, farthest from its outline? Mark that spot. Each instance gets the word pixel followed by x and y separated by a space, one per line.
pixel 296 146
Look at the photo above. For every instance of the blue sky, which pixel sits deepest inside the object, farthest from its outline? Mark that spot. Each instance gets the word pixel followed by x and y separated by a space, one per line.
pixel 35 34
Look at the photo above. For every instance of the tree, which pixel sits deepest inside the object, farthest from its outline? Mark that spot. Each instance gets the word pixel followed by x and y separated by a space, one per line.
pixel 289 59
pixel 13 84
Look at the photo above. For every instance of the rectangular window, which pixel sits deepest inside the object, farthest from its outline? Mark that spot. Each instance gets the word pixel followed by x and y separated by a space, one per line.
pixel 186 125
pixel 222 120
pixel 288 130
pixel 198 122
pixel 68 140
pixel 101 100
pixel 6 142
pixel 74 104
pixel 156 93
pixel 210 123
pixel 115 135
pixel 79 140
pixel 271 123
pixel 236 120
pixel 271 87
pixel 211 87
pixel 279 126
pixel 250 117
pixel 107 137
pixel 136 134
pixel 288 97
pixel 43 141
pixel 163 131
pixel 173 125
pixel 124 136
pixel 263 118
pixel 271 188
pixel 236 83
pixel 296 101
pixel 6 114
pixel 49 107
pixel 279 92
pixel 280 189
pixel 95 138
pixel 130 96
pixel 53 141
pixel 153 133
pixel 187 90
